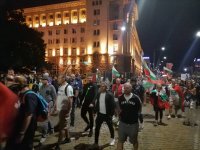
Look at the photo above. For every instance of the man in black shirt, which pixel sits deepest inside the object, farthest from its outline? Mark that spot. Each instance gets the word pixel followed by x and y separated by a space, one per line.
pixel 130 108
pixel 88 96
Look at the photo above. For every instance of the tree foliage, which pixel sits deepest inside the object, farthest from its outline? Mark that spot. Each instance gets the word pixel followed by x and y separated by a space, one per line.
pixel 19 45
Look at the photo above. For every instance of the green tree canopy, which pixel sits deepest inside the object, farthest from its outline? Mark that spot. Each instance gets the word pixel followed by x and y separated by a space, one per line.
pixel 19 44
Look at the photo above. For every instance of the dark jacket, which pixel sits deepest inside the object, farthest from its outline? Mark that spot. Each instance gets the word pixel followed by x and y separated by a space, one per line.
pixel 109 102
pixel 89 94
pixel 129 109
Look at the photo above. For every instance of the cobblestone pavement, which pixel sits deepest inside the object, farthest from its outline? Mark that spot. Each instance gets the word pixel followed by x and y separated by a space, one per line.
pixel 173 136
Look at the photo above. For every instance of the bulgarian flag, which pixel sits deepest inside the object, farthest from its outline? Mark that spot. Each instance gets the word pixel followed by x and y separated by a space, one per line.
pixel 115 73
pixel 150 75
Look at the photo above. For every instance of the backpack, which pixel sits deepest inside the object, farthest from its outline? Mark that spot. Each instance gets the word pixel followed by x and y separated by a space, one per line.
pixel 42 109
pixel 66 89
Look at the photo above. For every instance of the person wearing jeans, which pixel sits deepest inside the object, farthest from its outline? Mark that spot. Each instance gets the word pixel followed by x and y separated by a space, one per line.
pixel 48 91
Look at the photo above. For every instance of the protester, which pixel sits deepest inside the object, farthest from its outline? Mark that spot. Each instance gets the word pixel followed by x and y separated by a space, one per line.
pixel 26 123
pixel 64 105
pixel 88 96
pixel 105 107
pixel 130 107
pixel 48 91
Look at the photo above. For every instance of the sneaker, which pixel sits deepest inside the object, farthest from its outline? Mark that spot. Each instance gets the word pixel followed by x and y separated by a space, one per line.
pixel 43 139
pixel 66 140
pixel 90 133
pixel 169 117
pixel 112 142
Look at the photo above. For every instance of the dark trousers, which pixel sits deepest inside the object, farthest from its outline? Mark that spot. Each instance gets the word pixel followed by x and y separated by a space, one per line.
pixel 84 111
pixel 158 111
pixel 141 118
pixel 72 114
pixel 99 120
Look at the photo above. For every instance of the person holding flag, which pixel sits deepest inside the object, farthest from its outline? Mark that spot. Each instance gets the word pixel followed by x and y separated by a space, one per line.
pixel 159 101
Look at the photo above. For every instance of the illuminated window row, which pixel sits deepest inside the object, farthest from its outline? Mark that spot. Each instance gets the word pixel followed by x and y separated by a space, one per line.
pixel 65 31
pixel 65 52
pixel 58 18
pixel 66 40
pixel 96 2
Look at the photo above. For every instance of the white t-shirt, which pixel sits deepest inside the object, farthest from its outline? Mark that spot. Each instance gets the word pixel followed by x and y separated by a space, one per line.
pixel 102 103
pixel 62 97
pixel 127 97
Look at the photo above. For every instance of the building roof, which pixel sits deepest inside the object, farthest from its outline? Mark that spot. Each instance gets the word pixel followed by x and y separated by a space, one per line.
pixel 34 3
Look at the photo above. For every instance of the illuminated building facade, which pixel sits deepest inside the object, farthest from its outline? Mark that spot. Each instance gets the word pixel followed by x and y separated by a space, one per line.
pixel 89 34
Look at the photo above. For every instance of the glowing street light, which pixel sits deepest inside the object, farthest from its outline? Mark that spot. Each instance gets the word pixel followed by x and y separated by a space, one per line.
pixel 165 57
pixel 163 48
pixel 123 28
pixel 198 34
pixel 185 69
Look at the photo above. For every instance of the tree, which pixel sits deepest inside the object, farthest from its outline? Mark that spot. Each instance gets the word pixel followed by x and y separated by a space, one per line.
pixel 19 45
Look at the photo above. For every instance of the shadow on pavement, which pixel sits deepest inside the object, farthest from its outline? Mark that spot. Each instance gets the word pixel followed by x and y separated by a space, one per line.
pixel 83 146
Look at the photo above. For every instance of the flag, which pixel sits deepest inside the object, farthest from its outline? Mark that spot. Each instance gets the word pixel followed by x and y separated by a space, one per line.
pixel 115 73
pixel 150 75
pixel 167 70
pixel 8 111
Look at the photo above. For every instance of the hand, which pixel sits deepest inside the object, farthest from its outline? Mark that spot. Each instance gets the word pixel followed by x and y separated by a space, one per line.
pixel 91 105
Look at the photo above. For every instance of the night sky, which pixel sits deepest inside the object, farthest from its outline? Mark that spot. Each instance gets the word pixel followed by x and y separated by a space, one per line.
pixel 173 24
pixel 169 23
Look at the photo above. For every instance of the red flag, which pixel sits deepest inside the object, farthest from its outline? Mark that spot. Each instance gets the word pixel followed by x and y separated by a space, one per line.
pixel 8 111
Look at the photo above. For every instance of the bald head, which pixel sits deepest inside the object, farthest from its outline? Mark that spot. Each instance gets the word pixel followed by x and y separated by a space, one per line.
pixel 127 88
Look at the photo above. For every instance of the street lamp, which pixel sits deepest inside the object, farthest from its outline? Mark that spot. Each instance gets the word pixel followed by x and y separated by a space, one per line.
pixel 165 57
pixel 154 56
pixel 198 34
pixel 185 69
pixel 163 48
pixel 123 28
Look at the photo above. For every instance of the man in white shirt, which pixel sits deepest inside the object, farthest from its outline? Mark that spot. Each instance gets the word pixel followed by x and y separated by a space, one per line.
pixel 105 108
pixel 64 105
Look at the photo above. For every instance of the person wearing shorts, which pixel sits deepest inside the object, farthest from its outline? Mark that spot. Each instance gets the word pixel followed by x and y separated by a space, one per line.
pixel 64 105
pixel 130 108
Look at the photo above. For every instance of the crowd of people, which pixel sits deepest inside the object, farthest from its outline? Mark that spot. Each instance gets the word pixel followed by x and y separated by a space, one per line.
pixel 118 103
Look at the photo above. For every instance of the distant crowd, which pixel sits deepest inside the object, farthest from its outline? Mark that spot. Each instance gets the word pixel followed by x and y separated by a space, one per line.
pixel 118 102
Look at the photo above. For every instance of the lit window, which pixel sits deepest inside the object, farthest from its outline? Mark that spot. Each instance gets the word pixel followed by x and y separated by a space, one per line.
pixel 82 39
pixel 49 32
pixel 51 16
pixel 65 40
pixel 58 15
pixel 57 52
pixel 57 32
pixel 66 14
pixel 115 37
pixel 82 30
pixel 57 41
pixel 65 31
pixel 65 50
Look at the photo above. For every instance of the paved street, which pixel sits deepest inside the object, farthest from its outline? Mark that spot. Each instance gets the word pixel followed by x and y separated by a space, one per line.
pixel 173 136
